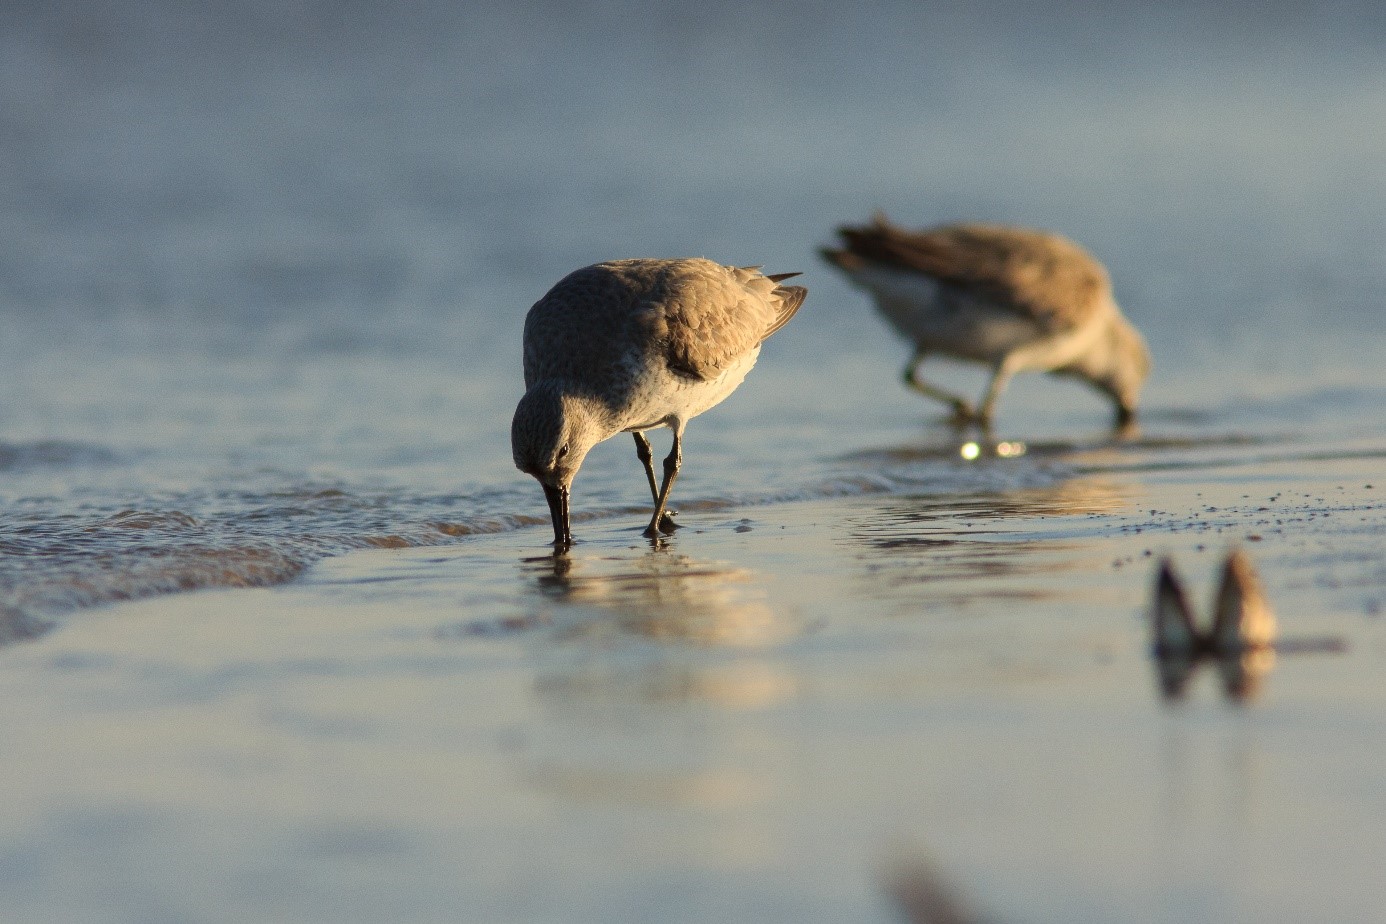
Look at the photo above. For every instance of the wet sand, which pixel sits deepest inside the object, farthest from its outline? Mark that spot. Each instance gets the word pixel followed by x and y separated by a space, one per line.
pixel 756 721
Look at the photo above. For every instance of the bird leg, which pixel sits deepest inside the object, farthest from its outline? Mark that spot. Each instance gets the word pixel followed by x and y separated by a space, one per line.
pixel 1000 377
pixel 1125 427
pixel 660 521
pixel 646 457
pixel 557 496
pixel 962 410
pixel 642 451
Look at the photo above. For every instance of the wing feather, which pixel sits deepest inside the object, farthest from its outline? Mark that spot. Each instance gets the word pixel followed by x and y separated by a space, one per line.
pixel 1036 274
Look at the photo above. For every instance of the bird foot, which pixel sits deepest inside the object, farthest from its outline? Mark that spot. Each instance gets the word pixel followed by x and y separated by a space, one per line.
pixel 666 527
pixel 962 414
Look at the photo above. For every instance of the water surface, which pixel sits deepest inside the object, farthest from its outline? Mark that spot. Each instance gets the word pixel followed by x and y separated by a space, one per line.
pixel 265 270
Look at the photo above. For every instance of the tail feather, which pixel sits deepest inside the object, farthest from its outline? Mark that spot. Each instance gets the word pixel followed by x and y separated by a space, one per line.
pixel 842 259
pixel 791 299
pixel 878 241
pixel 881 243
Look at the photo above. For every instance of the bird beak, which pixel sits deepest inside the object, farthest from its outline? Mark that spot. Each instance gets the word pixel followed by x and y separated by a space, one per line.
pixel 557 496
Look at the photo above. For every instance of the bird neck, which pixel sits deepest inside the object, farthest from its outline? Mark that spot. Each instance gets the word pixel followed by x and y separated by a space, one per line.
pixel 579 409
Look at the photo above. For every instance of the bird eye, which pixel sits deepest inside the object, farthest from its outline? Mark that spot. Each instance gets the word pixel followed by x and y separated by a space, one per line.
pixel 563 450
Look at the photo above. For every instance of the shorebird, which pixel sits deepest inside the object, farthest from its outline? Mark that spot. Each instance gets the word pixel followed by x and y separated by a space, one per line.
pixel 1016 299
pixel 631 345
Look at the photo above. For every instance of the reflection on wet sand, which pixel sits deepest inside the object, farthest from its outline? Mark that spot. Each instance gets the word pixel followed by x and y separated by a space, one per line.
pixel 1080 497
pixel 966 540
pixel 737 686
pixel 643 729
pixel 1242 675
pixel 921 893
pixel 678 640
pixel 663 595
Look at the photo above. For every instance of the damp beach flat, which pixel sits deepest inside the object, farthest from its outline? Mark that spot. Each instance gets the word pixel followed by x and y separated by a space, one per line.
pixel 758 720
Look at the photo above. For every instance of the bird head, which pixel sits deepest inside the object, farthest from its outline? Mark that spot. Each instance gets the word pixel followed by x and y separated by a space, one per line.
pixel 551 434
pixel 1117 365
pixel 1130 369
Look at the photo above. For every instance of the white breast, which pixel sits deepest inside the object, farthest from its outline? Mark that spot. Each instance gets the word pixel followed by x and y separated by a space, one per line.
pixel 946 319
pixel 662 398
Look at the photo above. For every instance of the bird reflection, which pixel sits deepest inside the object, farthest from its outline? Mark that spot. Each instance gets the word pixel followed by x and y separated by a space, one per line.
pixel 663 595
pixel 921 893
pixel 675 637
pixel 957 536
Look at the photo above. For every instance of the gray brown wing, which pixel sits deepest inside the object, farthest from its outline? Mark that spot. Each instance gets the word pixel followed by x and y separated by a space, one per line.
pixel 697 316
pixel 706 317
pixel 584 328
pixel 1036 274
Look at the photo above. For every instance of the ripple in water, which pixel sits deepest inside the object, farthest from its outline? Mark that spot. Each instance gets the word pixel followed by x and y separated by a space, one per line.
pixel 57 557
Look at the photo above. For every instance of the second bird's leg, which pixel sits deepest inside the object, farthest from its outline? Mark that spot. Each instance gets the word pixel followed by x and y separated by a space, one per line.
pixel 671 472
pixel 642 451
pixel 1001 374
pixel 962 410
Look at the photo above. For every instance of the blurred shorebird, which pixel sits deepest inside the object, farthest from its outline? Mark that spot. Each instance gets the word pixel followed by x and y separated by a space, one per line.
pixel 1016 299
pixel 631 345
pixel 1242 617
pixel 1241 637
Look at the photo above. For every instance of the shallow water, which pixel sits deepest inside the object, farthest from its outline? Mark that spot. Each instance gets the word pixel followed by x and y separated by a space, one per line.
pixel 263 277
pixel 761 720
pixel 265 271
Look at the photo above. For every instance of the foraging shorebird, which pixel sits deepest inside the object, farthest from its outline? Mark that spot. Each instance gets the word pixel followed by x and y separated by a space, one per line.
pixel 631 345
pixel 1016 299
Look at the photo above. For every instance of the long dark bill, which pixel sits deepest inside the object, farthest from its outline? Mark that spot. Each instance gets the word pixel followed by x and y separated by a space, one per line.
pixel 558 510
